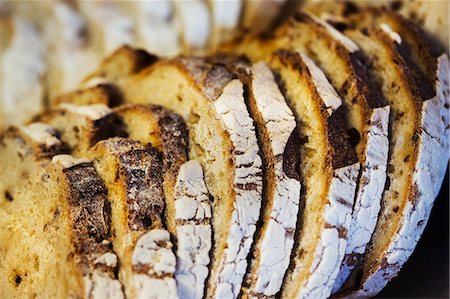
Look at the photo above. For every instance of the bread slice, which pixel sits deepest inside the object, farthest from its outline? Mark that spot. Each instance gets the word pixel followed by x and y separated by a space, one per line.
pixel 367 116
pixel 226 16
pixel 278 138
pixel 64 239
pixel 95 92
pixel 328 169
pixel 158 27
pixel 259 16
pixel 195 21
pixel 71 55
pixel 123 62
pixel 223 140
pixel 111 27
pixel 416 167
pixel 133 173
pixel 188 208
pixel 81 127
pixel 22 80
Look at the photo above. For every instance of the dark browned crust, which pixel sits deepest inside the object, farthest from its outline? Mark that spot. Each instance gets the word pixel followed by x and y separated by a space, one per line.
pixel 38 150
pixel 104 93
pixel 142 170
pixel 89 213
pixel 103 128
pixel 418 48
pixel 210 77
pixel 173 131
pixel 342 153
pixel 123 62
pixel 366 95
pixel 139 170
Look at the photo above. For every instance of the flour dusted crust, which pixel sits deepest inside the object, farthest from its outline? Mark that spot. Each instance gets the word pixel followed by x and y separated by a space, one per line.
pixel 272 251
pixel 154 264
pixel 230 107
pixel 158 28
pixel 195 22
pixel 194 233
pixel 22 80
pixel 366 208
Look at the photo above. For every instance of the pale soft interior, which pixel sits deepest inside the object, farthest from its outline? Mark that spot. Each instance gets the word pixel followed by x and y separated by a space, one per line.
pixel 35 246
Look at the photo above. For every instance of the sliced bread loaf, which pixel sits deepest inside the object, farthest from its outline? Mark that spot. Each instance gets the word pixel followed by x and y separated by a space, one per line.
pixel 61 212
pixel 188 209
pixel 226 16
pixel 328 170
pixel 223 140
pixel 418 155
pixel 366 111
pixel 133 173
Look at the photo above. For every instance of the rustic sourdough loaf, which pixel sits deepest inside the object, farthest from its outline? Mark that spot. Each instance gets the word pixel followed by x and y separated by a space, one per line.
pixel 278 137
pixel 81 127
pixel 366 111
pixel 133 173
pixel 223 140
pixel 188 210
pixel 403 204
pixel 328 171
pixel 64 238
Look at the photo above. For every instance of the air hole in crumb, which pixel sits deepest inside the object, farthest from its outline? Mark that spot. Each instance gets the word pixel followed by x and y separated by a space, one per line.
pixel 353 136
pixel 395 209
pixel 76 130
pixel 18 279
pixel 406 159
pixel 8 196
pixel 179 99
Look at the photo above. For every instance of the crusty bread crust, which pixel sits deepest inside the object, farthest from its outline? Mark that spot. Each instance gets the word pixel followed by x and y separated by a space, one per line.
pixel 320 243
pixel 102 93
pixel 188 210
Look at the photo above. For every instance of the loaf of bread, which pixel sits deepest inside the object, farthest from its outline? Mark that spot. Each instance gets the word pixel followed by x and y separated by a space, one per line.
pixel 305 168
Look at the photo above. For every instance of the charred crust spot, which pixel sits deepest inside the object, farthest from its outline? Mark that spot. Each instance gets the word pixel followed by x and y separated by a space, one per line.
pixel 8 196
pixel 343 152
pixel 175 139
pixel 353 136
pixel 110 126
pixel 387 185
pixel 291 156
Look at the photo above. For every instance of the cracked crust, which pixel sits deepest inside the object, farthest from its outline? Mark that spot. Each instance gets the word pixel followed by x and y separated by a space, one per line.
pixel 133 174
pixel 328 197
pixel 89 219
pixel 81 127
pixel 276 127
pixel 194 232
